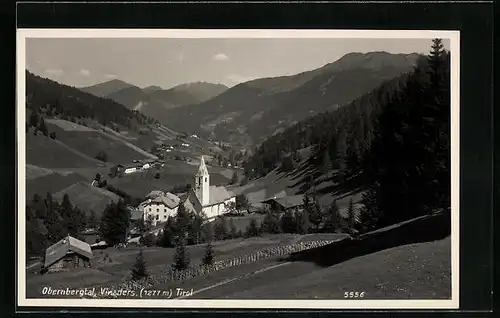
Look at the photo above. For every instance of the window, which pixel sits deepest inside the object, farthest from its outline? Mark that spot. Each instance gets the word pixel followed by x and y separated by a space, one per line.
pixel 164 216
pixel 165 210
pixel 206 179
pixel 157 216
pixel 157 210
pixel 149 209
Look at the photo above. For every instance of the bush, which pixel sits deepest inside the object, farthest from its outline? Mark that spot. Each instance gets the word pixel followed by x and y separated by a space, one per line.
pixel 102 156
pixel 148 239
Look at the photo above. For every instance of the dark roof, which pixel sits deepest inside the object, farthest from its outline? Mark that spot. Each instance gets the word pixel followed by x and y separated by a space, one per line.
pixel 64 246
pixel 288 201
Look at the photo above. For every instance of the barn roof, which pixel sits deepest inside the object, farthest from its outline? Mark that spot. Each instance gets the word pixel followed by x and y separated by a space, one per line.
pixel 288 201
pixel 64 246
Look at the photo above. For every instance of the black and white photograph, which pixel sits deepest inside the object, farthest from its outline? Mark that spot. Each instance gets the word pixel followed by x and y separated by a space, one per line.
pixel 238 168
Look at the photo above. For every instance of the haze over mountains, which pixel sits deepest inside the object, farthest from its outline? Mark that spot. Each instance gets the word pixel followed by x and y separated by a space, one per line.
pixel 153 101
pixel 249 112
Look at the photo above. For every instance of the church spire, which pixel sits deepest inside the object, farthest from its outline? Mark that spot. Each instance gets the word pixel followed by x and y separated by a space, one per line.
pixel 202 169
pixel 202 183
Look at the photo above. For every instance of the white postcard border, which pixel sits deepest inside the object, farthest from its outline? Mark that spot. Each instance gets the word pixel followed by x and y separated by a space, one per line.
pixel 452 36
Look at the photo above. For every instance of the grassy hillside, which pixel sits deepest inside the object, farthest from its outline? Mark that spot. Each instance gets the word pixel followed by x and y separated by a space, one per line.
pixel 48 153
pixel 90 142
pixel 87 198
pixel 418 271
pixel 52 182
pixel 174 173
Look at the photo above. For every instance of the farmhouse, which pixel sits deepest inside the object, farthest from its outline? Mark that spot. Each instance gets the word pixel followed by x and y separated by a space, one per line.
pixel 281 204
pixel 66 254
pixel 129 168
pixel 158 208
pixel 211 200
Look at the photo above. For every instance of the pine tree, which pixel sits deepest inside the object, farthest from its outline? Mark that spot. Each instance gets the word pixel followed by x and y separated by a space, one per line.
pixel 270 223
pixel 43 127
pixel 313 210
pixel 242 203
pixel 181 257
pixel 115 222
pixel 234 178
pixel 139 271
pixel 208 258
pixel 221 230
pixel 288 223
pixel 351 216
pixel 332 218
pixel 34 118
pixel 252 229
pixel 327 165
pixel 303 222
pixel 167 235
pixel 233 230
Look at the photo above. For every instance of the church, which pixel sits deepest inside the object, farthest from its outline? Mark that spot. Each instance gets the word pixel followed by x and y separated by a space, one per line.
pixel 211 200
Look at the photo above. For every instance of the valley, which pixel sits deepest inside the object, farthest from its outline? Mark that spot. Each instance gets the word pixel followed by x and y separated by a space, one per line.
pixel 323 182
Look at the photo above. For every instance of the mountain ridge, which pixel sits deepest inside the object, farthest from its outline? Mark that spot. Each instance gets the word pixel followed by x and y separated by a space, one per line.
pixel 260 107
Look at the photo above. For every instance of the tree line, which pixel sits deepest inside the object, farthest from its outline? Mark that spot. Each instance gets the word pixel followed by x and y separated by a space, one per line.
pixel 49 98
pixel 394 140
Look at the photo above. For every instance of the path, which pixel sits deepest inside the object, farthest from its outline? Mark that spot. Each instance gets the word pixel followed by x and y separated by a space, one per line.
pixel 228 281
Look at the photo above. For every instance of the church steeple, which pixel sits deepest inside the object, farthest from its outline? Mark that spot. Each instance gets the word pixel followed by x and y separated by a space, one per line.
pixel 202 183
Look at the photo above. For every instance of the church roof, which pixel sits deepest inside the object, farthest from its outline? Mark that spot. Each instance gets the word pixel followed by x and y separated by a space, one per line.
pixel 202 169
pixel 218 195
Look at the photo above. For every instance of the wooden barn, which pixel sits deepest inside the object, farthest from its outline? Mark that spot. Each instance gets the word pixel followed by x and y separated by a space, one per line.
pixel 67 254
pixel 293 203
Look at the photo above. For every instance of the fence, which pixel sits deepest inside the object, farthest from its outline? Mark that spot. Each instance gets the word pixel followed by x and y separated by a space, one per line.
pixel 172 275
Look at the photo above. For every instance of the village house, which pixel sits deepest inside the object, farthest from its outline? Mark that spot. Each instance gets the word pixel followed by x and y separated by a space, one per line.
pixel 128 168
pixel 211 200
pixel 159 206
pixel 66 254
pixel 282 204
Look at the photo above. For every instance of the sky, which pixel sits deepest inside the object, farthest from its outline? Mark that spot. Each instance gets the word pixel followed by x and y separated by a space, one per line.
pixel 169 62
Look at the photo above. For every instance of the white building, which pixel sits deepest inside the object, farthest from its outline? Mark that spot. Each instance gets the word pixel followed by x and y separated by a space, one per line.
pixel 211 200
pixel 159 207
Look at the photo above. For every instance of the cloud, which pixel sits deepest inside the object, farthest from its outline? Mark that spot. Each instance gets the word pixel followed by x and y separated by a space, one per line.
pixel 55 72
pixel 84 72
pixel 110 76
pixel 220 57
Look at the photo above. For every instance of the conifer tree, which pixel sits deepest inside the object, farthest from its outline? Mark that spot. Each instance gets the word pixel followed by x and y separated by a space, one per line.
pixel 288 223
pixel 303 222
pixel 332 218
pixel 351 216
pixel 233 230
pixel 167 235
pixel 252 229
pixel 139 271
pixel 270 223
pixel 181 257
pixel 43 127
pixel 34 118
pixel 115 222
pixel 208 258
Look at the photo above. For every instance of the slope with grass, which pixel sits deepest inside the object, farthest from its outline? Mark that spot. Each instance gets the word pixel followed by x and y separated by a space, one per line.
pixel 417 271
pixel 87 198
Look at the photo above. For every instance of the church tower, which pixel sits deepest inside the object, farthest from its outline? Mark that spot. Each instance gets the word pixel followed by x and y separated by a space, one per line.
pixel 202 183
